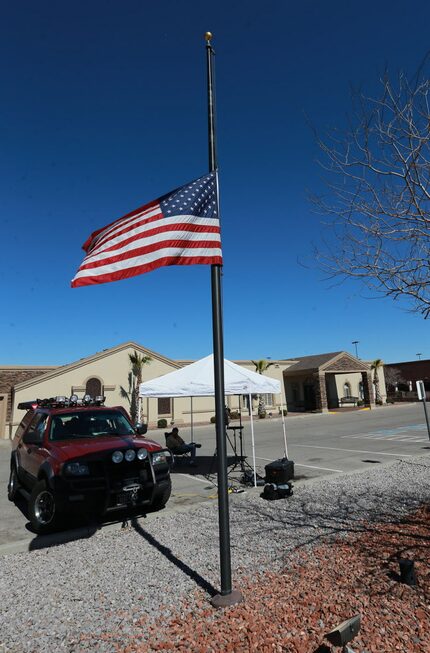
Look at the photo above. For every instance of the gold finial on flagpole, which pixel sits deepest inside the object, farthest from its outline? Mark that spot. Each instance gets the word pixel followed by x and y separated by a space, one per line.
pixel 208 36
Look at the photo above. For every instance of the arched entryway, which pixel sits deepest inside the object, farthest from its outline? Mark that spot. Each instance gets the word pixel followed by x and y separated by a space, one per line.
pixel 327 382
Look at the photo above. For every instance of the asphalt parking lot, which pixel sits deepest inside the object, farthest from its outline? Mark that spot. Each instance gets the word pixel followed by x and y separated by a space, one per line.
pixel 319 445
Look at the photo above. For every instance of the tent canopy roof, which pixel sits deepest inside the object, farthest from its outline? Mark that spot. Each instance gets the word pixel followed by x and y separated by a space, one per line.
pixel 197 380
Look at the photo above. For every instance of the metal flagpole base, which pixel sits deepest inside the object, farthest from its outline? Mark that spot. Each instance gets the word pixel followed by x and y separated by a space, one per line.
pixel 225 600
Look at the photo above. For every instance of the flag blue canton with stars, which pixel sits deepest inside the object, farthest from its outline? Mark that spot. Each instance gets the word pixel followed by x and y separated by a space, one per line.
pixel 196 198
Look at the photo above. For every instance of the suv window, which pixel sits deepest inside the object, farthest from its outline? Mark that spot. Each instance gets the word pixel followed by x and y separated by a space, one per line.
pixel 38 424
pixel 89 424
pixel 24 423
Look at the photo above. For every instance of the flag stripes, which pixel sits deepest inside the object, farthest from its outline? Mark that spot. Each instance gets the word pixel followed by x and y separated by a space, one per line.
pixel 178 229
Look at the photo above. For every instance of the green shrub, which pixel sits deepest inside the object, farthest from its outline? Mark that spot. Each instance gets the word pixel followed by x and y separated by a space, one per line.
pixel 213 419
pixel 234 414
pixel 284 410
pixel 360 402
pixel 262 414
pixel 378 402
pixel 162 423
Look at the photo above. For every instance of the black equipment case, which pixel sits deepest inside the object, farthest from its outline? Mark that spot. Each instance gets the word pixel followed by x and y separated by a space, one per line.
pixel 280 471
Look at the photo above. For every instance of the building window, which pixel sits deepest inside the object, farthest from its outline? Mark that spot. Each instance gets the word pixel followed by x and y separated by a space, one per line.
pixel 93 387
pixel 164 406
pixel 361 390
pixel 346 390
pixel 268 399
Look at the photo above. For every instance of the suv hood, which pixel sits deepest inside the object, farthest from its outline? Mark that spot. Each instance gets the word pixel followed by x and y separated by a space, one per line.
pixel 67 449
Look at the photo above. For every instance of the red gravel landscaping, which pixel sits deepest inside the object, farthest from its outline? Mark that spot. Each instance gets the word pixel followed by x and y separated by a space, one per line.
pixel 291 611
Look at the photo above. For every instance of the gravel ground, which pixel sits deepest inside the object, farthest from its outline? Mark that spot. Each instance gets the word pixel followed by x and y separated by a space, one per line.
pixel 98 593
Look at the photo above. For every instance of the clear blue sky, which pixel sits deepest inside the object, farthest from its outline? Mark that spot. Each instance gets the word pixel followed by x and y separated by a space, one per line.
pixel 104 108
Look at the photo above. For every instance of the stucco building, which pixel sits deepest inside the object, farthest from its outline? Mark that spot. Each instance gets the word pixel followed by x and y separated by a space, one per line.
pixel 401 378
pixel 308 383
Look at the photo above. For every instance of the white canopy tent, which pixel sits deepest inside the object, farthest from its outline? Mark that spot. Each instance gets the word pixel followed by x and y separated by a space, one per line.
pixel 197 380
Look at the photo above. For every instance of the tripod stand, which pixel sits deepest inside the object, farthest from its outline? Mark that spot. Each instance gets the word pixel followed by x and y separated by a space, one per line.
pixel 232 444
pixel 239 458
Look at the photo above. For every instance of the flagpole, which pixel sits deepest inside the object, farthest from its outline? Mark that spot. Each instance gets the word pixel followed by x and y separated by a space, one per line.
pixel 227 595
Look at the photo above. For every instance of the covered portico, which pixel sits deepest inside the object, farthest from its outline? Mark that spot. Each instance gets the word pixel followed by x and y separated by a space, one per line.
pixel 319 383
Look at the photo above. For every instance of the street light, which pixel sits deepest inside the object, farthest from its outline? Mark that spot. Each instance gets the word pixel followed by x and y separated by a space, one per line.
pixel 355 342
pixel 419 355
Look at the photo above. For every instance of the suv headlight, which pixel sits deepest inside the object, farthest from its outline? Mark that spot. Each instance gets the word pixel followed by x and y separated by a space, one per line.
pixel 159 458
pixel 76 469
pixel 117 456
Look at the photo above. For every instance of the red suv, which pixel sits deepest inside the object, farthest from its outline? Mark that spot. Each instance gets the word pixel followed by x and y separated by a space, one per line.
pixel 72 453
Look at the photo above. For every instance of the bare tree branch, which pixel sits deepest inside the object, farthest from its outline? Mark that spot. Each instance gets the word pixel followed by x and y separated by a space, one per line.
pixel 378 200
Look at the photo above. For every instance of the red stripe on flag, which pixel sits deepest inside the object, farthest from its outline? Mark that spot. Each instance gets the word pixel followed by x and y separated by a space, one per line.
pixel 113 233
pixel 147 249
pixel 187 227
pixel 141 269
pixel 132 214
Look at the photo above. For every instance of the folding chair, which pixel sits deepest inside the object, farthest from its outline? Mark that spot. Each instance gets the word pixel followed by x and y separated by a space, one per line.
pixel 184 455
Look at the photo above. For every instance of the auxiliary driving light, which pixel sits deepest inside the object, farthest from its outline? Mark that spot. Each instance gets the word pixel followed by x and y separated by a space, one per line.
pixel 130 455
pixel 142 454
pixel 117 456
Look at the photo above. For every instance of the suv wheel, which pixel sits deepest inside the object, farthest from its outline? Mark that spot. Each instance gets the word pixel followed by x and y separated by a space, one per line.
pixel 13 486
pixel 42 508
pixel 161 499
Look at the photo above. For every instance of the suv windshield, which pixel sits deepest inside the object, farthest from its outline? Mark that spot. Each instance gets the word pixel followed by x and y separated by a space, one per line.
pixel 88 424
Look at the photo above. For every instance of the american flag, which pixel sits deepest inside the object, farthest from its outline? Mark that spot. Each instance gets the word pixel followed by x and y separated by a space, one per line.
pixel 181 228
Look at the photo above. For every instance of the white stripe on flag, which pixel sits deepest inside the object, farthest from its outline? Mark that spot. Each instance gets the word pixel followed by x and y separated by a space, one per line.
pixel 98 252
pixel 148 258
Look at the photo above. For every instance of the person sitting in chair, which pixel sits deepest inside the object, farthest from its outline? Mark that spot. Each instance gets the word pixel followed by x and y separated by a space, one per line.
pixel 177 446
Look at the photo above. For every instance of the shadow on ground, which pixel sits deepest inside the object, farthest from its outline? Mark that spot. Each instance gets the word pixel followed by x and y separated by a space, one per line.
pixel 206 465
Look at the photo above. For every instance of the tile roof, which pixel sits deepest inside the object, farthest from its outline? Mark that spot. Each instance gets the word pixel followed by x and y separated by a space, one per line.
pixel 311 362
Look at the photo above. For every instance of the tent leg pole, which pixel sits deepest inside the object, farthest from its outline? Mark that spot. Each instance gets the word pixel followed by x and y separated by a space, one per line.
pixel 284 430
pixel 253 446
pixel 192 421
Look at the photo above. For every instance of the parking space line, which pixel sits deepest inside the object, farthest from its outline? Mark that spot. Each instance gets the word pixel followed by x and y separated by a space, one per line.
pixel 377 453
pixel 194 478
pixel 389 438
pixel 326 469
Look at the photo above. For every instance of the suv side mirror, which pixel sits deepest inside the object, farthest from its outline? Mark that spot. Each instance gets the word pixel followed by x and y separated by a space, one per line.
pixel 141 429
pixel 32 438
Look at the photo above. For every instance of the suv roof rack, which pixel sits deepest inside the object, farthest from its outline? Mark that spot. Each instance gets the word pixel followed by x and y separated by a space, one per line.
pixel 62 402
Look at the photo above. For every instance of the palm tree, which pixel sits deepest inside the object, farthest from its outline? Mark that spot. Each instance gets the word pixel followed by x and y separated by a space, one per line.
pixel 137 363
pixel 375 366
pixel 260 367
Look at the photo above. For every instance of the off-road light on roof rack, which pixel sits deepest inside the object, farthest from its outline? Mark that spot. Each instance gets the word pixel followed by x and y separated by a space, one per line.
pixel 28 405
pixel 62 402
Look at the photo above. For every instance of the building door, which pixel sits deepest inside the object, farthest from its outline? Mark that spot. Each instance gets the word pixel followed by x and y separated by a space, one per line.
pixel 309 396
pixel 3 410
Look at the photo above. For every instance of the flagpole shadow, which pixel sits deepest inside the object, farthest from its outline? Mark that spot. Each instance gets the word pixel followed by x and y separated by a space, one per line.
pixel 191 573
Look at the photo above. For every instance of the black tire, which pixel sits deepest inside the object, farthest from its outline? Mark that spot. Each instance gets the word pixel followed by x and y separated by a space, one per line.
pixel 13 485
pixel 42 508
pixel 161 498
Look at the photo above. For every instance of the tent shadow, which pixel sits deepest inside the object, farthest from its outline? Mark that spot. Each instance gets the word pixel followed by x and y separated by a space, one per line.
pixel 205 465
